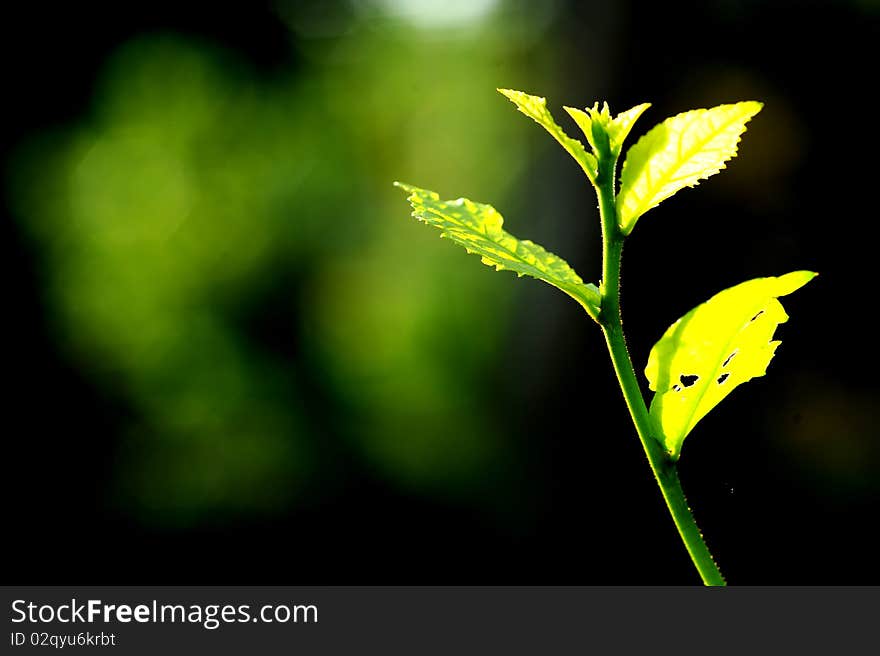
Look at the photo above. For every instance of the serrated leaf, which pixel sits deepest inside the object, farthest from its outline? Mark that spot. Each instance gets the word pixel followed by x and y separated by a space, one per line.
pixel 678 153
pixel 477 227
pixel 712 349
pixel 535 107
pixel 618 129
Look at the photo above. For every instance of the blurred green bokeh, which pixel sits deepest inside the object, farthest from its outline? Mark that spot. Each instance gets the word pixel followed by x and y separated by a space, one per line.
pixel 198 192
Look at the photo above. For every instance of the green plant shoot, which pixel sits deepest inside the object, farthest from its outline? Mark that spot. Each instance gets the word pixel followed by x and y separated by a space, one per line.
pixel 702 357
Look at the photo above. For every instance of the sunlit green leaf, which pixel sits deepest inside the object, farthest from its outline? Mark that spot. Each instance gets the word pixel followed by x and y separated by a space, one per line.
pixel 714 348
pixel 535 108
pixel 678 153
pixel 477 227
pixel 617 128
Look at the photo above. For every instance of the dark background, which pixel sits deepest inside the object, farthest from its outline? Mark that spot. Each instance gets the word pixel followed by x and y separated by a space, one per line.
pixel 784 476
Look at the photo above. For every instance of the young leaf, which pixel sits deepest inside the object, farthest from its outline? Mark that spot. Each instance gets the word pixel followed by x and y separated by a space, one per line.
pixel 678 153
pixel 712 349
pixel 617 129
pixel 477 227
pixel 623 123
pixel 535 108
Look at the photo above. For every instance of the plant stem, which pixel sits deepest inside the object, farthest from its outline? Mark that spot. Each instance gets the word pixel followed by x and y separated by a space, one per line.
pixel 662 465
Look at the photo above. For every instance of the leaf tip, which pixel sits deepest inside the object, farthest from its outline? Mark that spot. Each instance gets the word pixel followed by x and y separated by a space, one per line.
pixel 793 281
pixel 751 107
pixel 510 94
pixel 406 187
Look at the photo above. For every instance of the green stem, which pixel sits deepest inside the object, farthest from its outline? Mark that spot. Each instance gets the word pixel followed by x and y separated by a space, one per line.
pixel 662 465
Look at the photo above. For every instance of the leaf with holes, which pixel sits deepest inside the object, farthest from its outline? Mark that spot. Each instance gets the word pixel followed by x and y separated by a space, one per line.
pixel 714 348
pixel 535 107
pixel 477 227
pixel 678 153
